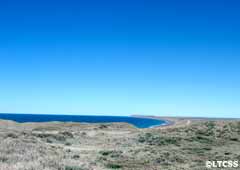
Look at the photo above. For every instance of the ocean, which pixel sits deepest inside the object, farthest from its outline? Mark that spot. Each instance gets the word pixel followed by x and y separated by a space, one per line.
pixel 136 121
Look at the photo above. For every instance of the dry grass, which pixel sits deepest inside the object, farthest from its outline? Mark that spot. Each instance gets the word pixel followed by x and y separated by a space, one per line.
pixel 59 146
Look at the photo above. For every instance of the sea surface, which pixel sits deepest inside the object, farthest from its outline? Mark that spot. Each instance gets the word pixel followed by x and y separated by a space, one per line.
pixel 136 121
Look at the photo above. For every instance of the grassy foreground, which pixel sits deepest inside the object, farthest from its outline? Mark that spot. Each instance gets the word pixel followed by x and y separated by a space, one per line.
pixel 73 146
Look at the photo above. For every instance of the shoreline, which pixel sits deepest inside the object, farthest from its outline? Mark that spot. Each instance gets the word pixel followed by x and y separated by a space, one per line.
pixel 127 120
pixel 168 121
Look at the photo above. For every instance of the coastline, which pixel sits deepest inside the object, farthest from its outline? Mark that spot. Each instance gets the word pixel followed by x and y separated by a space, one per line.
pixel 168 121
pixel 175 122
pixel 137 122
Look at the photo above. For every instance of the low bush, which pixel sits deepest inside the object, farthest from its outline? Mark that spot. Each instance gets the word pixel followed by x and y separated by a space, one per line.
pixel 73 168
pixel 153 139
pixel 113 166
pixel 12 135
pixel 113 154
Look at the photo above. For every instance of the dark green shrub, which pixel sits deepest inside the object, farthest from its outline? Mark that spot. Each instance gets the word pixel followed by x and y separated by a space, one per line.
pixel 75 156
pixel 105 153
pixel 73 168
pixel 3 159
pixel 210 124
pixel 12 135
pixel 113 166
pixel 68 144
pixel 67 134
pixel 152 139
pixel 112 154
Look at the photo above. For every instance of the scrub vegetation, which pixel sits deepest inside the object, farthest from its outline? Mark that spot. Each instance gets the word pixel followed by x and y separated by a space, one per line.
pixel 73 146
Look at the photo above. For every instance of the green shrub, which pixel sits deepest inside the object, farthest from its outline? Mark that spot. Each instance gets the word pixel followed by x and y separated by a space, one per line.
pixel 198 150
pixel 68 144
pixel 113 166
pixel 73 168
pixel 67 134
pixel 152 139
pixel 112 154
pixel 210 124
pixel 3 159
pixel 238 127
pixel 105 153
pixel 202 139
pixel 56 137
pixel 12 135
pixel 75 156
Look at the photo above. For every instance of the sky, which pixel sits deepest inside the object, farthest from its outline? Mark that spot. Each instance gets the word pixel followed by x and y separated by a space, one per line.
pixel 123 57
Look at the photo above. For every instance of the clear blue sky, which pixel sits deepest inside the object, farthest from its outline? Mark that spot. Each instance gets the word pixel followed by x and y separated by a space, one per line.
pixel 162 57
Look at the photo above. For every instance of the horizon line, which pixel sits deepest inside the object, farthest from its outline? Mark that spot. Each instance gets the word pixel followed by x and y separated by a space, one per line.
pixel 124 115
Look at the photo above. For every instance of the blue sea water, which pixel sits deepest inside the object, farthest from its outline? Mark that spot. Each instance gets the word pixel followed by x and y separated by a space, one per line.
pixel 136 121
